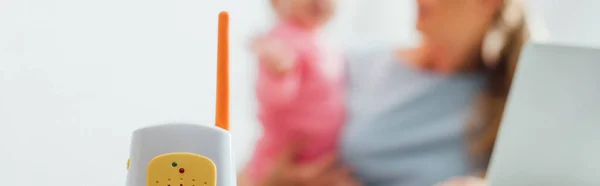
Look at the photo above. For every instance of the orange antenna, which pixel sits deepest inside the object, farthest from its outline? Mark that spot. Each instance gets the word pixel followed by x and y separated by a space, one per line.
pixel 222 110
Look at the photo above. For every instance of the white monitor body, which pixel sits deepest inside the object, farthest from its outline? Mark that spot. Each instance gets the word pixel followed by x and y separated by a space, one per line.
pixel 204 152
pixel 550 133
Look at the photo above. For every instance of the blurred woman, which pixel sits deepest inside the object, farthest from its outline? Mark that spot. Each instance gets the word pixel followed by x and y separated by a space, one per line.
pixel 417 117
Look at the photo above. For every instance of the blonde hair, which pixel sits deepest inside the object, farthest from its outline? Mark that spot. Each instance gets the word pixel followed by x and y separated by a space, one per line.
pixel 500 52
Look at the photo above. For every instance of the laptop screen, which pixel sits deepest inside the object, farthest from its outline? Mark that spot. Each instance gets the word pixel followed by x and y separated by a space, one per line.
pixel 550 133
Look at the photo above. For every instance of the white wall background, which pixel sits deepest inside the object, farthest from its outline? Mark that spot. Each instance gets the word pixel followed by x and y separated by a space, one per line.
pixel 77 77
pixel 566 21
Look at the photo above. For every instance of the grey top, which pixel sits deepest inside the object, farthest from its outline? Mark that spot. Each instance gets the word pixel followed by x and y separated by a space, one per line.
pixel 405 126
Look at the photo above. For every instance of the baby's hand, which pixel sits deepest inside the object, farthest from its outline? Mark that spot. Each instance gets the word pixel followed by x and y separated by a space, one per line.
pixel 274 53
pixel 464 181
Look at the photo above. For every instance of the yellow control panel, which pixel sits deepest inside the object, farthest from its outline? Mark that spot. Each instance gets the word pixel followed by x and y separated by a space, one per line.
pixel 181 169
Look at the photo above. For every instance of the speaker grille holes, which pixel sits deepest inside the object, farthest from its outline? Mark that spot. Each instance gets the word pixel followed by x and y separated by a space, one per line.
pixel 169 179
pixel 193 179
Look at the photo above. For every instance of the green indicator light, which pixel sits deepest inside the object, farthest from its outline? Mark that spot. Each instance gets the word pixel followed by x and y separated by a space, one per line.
pixel 174 164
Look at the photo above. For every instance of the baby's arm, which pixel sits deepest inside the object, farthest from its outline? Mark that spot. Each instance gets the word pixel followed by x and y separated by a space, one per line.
pixel 278 74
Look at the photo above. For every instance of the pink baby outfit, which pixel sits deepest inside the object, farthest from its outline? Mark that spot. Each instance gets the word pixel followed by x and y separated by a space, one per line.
pixel 305 103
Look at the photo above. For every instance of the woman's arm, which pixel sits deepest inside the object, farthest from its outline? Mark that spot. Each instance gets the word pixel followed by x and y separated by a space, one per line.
pixel 242 179
pixel 464 181
pixel 324 171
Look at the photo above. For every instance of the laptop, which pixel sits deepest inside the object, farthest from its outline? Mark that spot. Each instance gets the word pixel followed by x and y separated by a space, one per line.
pixel 550 134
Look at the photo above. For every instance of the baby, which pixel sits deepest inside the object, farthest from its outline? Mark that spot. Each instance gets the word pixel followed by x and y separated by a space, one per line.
pixel 300 85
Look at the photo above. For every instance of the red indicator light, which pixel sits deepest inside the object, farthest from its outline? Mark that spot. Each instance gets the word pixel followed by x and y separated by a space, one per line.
pixel 181 170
